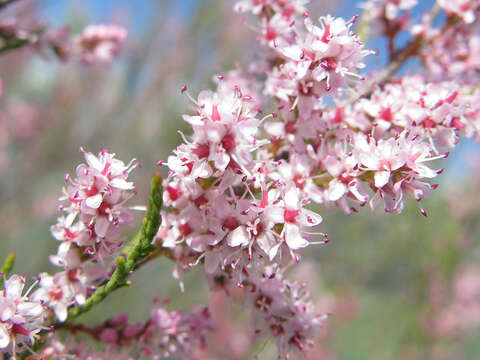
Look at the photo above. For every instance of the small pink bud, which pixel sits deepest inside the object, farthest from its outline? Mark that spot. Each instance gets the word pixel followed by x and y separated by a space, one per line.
pixel 109 336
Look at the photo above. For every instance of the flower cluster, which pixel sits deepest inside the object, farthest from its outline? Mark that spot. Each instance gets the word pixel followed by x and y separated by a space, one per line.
pixel 215 175
pixel 452 50
pixel 236 195
pixel 21 317
pixel 467 10
pixel 314 61
pixel 90 230
pixel 223 205
pixel 244 189
pixel 99 43
pixel 282 310
pixel 386 17
pixel 16 31
pixel 163 335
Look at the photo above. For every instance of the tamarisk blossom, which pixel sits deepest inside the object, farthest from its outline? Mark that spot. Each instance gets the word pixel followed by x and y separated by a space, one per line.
pixel 387 10
pixel 224 208
pixel 465 9
pixel 21 317
pixel 163 336
pixel 314 60
pixel 452 51
pixel 319 61
pixel 218 195
pixel 90 230
pixel 264 7
pixel 282 310
pixel 99 44
pixel 377 149
pixel 238 186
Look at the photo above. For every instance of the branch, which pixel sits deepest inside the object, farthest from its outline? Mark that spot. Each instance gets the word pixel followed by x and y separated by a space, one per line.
pixel 18 43
pixel 12 41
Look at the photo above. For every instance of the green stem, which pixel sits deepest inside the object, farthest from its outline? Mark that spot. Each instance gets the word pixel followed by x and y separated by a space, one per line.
pixel 141 248
pixel 18 43
pixel 8 264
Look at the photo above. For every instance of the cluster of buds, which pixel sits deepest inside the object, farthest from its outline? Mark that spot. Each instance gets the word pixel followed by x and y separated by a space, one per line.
pixel 282 310
pixel 163 335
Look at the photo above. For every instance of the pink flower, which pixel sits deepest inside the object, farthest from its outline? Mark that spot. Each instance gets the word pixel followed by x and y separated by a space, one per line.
pixel 286 8
pixel 288 211
pixel 282 310
pixel 96 215
pixel 390 9
pixel 465 9
pixel 100 43
pixel 323 57
pixel 20 317
pixel 54 292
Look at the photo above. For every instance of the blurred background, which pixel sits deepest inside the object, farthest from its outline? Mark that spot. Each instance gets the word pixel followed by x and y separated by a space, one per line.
pixel 399 286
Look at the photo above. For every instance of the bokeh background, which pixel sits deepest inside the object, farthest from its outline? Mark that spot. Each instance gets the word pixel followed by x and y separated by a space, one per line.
pixel 399 286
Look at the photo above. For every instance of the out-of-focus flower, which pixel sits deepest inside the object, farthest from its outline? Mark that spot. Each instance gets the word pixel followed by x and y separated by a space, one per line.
pixel 100 43
pixel 465 9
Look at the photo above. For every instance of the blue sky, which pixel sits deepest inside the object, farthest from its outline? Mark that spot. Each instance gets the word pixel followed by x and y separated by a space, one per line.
pixel 100 11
